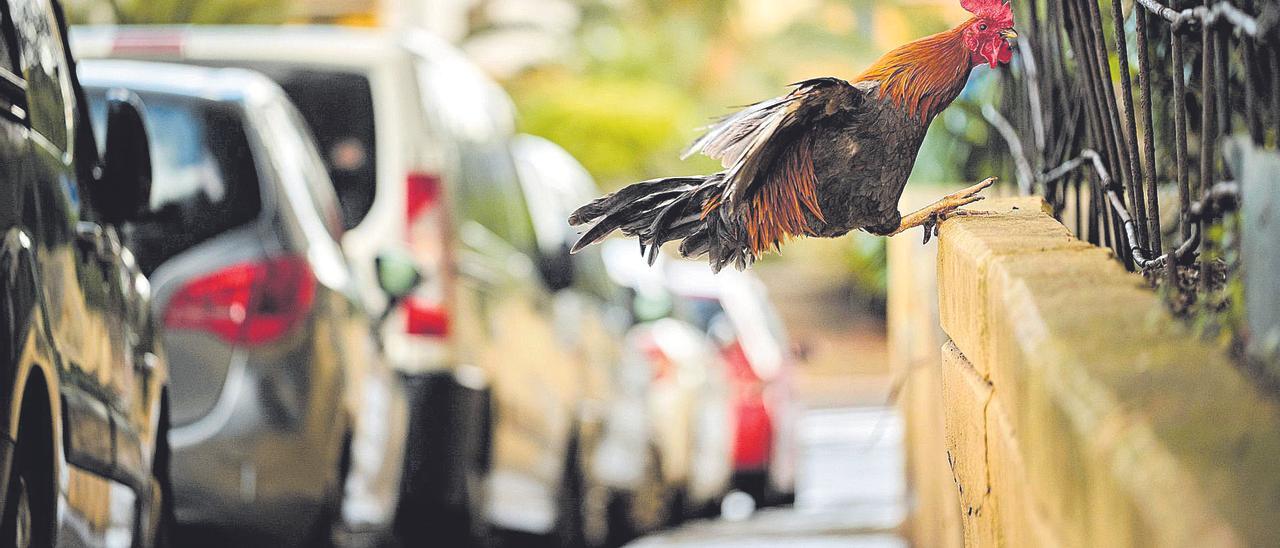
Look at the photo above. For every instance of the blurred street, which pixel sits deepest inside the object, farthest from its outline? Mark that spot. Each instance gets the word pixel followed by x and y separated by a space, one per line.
pixel 850 491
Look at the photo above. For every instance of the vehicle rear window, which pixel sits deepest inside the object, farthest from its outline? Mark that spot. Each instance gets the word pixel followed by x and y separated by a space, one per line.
pixel 204 181
pixel 697 311
pixel 338 107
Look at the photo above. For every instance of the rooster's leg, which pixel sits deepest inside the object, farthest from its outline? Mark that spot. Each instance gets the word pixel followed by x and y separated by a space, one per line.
pixel 930 216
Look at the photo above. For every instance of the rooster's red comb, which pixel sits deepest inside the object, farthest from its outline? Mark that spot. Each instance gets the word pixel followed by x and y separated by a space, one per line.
pixel 996 10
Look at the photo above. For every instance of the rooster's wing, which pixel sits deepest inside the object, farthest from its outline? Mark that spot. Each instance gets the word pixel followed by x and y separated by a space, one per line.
pixel 767 151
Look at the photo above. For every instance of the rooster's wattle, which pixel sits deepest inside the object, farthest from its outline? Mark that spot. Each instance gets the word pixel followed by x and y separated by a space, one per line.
pixel 830 157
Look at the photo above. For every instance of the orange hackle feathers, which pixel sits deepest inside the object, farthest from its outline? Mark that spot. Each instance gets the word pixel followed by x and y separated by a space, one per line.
pixel 924 76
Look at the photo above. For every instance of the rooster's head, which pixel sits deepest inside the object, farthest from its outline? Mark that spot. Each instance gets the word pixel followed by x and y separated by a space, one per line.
pixel 990 33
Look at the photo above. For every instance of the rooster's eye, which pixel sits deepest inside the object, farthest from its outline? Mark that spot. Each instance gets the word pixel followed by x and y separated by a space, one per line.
pixel 982 26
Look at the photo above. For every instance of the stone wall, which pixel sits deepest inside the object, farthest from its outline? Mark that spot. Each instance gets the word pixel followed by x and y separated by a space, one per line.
pixel 1072 409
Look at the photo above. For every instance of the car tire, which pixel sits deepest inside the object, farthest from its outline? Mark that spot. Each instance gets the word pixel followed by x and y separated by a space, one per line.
pixel 652 505
pixel 28 519
pixel 164 524
pixel 424 521
pixel 449 526
pixel 328 520
pixel 570 524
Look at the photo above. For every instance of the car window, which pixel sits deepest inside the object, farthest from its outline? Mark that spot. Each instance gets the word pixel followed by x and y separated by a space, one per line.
pixel 305 163
pixel 700 312
pixel 491 193
pixel 13 99
pixel 43 63
pixel 204 179
pixel 297 161
pixel 338 109
pixel 314 173
pixel 472 111
pixel 8 62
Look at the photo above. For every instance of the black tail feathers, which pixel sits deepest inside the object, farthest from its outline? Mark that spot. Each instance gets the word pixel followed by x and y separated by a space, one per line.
pixel 666 210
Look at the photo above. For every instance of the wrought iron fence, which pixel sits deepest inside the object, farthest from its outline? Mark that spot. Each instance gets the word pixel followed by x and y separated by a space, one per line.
pixel 1109 164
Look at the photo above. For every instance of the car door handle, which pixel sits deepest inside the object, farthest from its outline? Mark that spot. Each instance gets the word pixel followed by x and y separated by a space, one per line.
pixel 89 236
pixel 95 240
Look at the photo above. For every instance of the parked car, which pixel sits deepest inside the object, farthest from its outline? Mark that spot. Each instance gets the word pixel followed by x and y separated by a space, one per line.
pixel 287 426
pixel 621 483
pixel 83 377
pixel 734 310
pixel 688 411
pixel 417 142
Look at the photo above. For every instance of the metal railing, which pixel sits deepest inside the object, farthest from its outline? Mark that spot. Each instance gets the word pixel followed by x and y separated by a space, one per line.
pixel 1103 159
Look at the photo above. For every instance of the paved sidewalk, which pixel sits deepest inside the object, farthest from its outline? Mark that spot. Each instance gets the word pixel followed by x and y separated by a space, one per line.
pixel 851 491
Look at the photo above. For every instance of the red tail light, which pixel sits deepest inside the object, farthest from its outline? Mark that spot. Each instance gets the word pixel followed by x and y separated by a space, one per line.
pixel 425 319
pixel 739 365
pixel 422 195
pixel 427 235
pixel 661 363
pixel 248 303
pixel 754 435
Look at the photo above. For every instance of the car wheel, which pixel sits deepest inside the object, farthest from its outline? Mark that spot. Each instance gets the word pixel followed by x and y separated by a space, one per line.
pixel 473 527
pixel 570 525
pixel 18 528
pixel 596 503
pixel 163 523
pixel 650 506
pixel 28 516
pixel 584 508
pixel 466 526
pixel 327 526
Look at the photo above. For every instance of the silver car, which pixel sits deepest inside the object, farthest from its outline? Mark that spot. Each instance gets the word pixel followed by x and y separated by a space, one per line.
pixel 287 425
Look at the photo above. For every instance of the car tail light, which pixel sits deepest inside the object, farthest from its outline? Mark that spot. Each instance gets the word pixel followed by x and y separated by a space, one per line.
pixel 427 235
pixel 739 366
pixel 247 303
pixel 661 363
pixel 754 434
pixel 426 319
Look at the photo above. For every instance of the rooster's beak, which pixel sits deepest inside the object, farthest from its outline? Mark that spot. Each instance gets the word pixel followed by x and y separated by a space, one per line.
pixel 1009 34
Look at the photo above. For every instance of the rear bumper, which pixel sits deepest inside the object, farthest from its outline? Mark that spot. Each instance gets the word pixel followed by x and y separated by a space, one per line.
pixel 246 469
pixel 448 440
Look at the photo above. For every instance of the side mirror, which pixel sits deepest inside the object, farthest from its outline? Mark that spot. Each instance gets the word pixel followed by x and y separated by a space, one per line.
pixel 124 189
pixel 398 275
pixel 557 268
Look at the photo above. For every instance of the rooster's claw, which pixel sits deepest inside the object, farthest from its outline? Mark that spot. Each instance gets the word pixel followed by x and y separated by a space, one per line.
pixel 931 217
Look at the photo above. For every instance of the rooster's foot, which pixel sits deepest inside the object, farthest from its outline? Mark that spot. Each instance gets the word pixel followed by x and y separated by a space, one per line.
pixel 949 206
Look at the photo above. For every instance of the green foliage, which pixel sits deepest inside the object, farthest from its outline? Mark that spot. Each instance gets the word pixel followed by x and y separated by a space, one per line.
pixel 622 130
pixel 210 12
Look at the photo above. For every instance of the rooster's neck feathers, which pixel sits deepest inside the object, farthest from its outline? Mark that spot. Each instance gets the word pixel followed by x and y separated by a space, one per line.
pixel 924 76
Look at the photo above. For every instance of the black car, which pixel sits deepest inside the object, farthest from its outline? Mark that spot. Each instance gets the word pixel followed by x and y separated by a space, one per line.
pixel 83 414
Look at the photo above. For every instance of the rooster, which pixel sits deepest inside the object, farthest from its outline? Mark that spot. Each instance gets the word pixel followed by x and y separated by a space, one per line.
pixel 828 158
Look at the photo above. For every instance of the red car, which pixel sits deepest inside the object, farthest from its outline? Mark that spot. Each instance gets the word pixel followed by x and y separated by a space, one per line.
pixel 734 310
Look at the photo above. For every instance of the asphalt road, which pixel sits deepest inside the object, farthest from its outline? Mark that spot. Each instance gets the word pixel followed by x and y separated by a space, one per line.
pixel 850 491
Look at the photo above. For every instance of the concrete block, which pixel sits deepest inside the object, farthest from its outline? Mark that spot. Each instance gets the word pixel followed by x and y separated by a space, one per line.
pixel 970 245
pixel 967 395
pixel 1022 521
